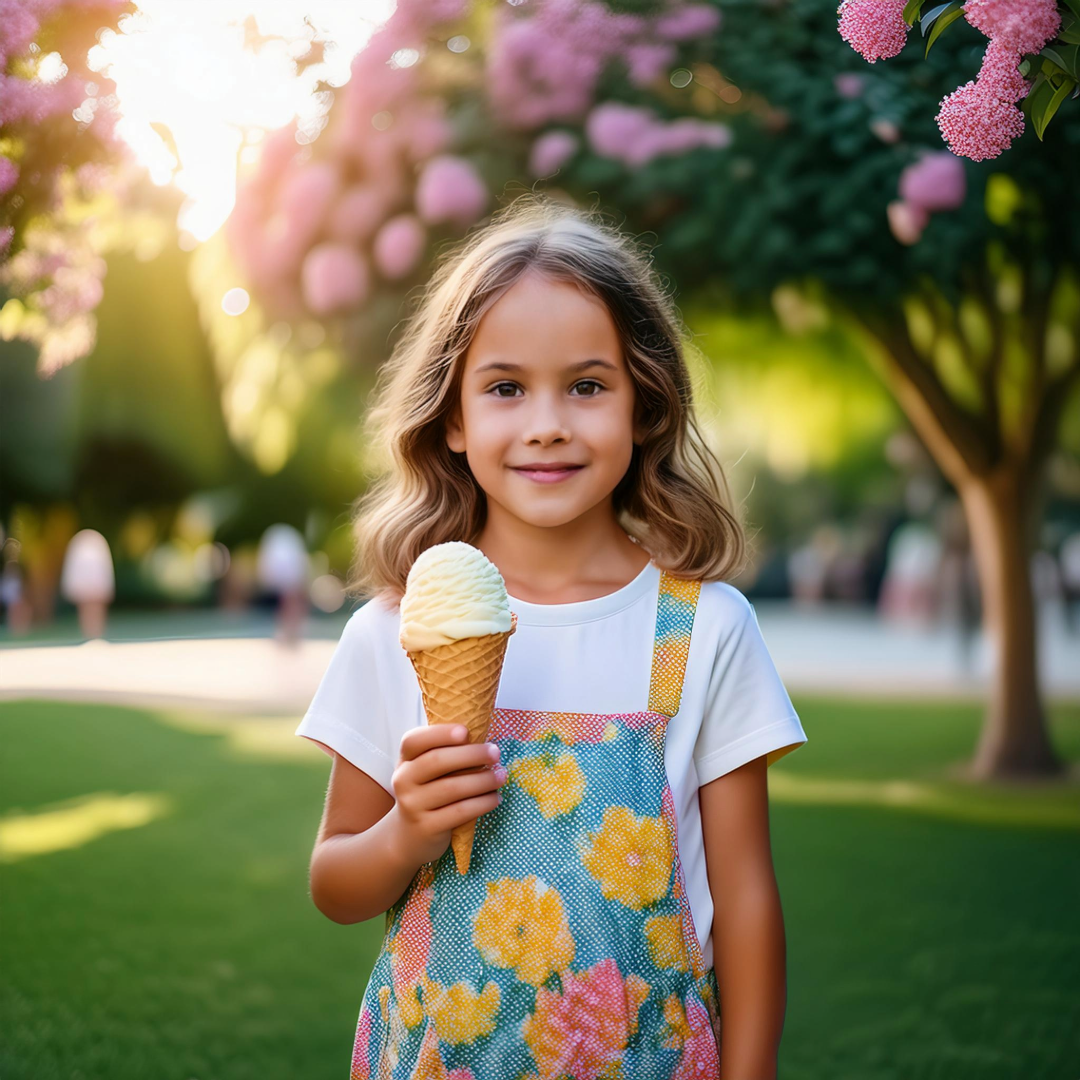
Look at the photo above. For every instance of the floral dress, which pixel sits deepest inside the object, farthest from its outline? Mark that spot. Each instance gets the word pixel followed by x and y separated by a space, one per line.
pixel 568 951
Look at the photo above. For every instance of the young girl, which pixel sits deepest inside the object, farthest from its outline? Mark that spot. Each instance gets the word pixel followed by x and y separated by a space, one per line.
pixel 621 893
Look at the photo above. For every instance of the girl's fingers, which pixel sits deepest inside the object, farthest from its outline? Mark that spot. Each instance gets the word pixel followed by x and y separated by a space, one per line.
pixel 449 817
pixel 417 740
pixel 445 791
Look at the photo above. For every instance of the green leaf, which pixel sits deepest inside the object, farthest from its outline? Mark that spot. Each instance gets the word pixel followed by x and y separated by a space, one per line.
pixel 941 23
pixel 911 11
pixel 928 20
pixel 1075 6
pixel 1071 36
pixel 1065 57
pixel 1042 110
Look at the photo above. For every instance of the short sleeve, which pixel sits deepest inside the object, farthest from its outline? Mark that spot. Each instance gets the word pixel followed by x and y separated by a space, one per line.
pixel 748 712
pixel 349 712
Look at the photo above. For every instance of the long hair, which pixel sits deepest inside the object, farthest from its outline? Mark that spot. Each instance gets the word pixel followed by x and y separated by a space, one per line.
pixel 674 498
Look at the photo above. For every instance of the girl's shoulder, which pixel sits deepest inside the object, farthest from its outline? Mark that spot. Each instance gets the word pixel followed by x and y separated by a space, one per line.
pixel 722 603
pixel 375 623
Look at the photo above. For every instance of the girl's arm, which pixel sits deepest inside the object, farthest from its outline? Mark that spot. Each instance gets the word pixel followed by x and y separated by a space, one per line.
pixel 358 868
pixel 749 947
pixel 371 843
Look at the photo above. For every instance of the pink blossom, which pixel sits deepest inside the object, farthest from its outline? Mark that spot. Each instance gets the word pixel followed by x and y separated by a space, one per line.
pixel 398 246
pixel 635 135
pixel 536 76
pixel 849 84
pixel 551 151
pixel 334 277
pixel 1000 73
pixel 426 131
pixel 33 102
pixel 1022 25
pixel 885 129
pixel 978 125
pixel 613 126
pixel 7 233
pixel 9 175
pixel 450 189
pixel 873 28
pixel 684 23
pixel 935 182
pixel 19 27
pixel 906 220
pixel 648 61
pixel 358 213
pixel 303 201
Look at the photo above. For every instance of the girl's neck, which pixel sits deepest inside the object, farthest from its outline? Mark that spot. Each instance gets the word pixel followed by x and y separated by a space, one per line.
pixel 548 573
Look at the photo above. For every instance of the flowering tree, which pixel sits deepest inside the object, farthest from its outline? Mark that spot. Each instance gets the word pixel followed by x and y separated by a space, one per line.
pixel 980 119
pixel 63 174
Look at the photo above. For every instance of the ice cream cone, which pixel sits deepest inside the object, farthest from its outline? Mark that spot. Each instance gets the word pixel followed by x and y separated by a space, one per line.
pixel 459 682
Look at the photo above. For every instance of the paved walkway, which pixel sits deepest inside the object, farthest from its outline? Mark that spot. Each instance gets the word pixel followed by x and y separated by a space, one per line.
pixel 830 650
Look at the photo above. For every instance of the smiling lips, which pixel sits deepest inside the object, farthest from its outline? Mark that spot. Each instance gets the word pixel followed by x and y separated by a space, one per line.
pixel 548 472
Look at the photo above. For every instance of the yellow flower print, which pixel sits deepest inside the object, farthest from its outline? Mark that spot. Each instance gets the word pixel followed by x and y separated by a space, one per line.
pixel 409 1004
pixel 522 925
pixel 678 1029
pixel 557 787
pixel 666 945
pixel 461 1014
pixel 630 857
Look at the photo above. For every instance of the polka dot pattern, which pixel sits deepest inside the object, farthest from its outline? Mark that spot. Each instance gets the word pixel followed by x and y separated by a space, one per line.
pixel 568 951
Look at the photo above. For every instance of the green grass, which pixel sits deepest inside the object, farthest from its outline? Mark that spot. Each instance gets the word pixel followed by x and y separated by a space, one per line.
pixel 934 938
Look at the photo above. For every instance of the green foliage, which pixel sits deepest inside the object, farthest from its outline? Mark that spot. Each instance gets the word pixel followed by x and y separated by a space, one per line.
pixel 803 189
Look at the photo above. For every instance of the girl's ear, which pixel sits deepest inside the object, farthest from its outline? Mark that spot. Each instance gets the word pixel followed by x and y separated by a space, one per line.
pixel 455 436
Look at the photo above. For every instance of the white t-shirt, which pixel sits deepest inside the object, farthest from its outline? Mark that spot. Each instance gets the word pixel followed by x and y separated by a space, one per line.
pixel 587 657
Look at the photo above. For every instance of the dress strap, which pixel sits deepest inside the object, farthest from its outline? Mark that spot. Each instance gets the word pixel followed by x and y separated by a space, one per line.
pixel 675 609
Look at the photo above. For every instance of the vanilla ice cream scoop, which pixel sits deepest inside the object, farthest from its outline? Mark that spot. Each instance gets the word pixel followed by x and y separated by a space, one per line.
pixel 452 591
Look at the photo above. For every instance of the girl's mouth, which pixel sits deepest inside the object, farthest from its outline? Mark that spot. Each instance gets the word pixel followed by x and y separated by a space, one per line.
pixel 549 476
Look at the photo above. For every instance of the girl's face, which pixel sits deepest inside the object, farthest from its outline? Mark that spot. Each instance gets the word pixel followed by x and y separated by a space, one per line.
pixel 545 383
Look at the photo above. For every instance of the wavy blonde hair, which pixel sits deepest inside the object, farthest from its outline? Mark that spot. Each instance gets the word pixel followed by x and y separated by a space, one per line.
pixel 674 498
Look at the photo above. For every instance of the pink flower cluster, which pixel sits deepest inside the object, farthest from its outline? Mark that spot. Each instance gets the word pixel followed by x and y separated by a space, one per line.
pixel 314 235
pixel 934 183
pixel 979 119
pixel 875 29
pixel 635 135
pixel 545 61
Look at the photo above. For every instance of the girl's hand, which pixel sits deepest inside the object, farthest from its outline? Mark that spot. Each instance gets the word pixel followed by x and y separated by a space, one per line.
pixel 433 794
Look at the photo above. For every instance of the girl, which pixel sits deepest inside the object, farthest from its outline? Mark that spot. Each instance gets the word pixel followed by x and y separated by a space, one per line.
pixel 539 407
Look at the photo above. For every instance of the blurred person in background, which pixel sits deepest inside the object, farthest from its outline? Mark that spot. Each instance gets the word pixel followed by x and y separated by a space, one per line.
pixel 88 581
pixel 957 577
pixel 283 567
pixel 1069 560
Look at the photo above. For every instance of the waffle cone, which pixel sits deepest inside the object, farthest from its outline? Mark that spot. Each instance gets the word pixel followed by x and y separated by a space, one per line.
pixel 459 682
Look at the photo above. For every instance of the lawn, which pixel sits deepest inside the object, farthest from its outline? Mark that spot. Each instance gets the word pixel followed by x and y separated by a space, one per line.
pixel 156 920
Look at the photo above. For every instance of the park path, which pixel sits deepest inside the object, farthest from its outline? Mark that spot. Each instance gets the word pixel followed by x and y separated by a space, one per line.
pixel 828 651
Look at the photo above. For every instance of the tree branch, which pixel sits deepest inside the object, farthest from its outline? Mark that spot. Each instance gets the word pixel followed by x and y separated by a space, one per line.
pixel 958 442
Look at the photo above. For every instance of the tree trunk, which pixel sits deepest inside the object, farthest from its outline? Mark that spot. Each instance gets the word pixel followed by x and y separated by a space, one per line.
pixel 1000 507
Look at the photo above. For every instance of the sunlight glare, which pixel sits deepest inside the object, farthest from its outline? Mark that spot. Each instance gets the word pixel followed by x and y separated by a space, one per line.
pixel 195 82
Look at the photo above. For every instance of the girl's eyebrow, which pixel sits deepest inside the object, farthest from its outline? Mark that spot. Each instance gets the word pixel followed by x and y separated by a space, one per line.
pixel 581 365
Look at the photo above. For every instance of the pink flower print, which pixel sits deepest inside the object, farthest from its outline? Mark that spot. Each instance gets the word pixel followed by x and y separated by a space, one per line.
pixel 359 1070
pixel 700 1058
pixel 584 1030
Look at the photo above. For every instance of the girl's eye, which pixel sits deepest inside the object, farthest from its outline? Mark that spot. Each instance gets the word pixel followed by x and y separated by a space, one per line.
pixel 590 382
pixel 513 386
